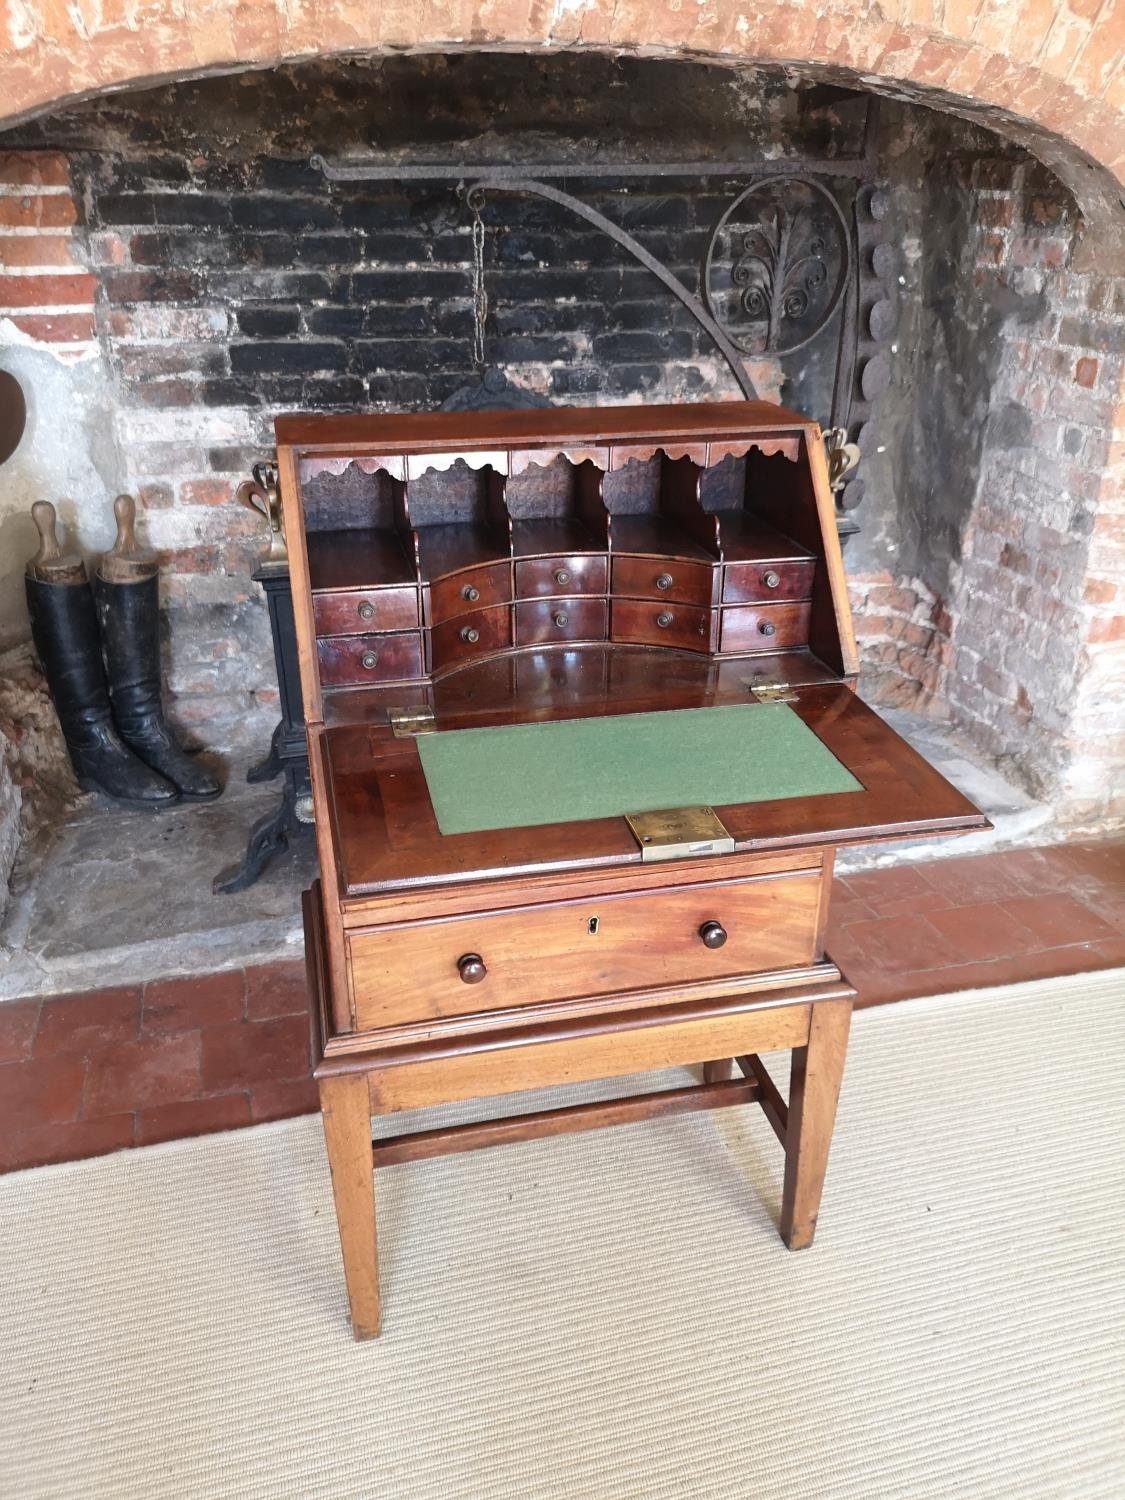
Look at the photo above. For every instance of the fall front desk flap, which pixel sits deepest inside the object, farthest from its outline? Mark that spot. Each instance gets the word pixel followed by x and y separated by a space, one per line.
pixel 527 775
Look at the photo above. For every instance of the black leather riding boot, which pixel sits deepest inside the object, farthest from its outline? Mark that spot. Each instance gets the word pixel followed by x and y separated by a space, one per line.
pixel 65 630
pixel 128 620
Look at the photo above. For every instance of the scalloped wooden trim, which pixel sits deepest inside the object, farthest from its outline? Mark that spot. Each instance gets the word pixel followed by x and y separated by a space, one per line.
pixel 522 458
pixel 418 463
pixel 788 447
pixel 629 453
pixel 393 464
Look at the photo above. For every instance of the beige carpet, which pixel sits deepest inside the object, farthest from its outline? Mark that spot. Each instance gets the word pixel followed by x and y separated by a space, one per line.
pixel 612 1315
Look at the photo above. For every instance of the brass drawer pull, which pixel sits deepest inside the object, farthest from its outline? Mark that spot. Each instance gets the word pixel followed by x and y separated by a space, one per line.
pixel 664 581
pixel 470 593
pixel 369 660
pixel 366 611
pixel 767 627
pixel 561 619
pixel 469 635
pixel 713 934
pixel 771 579
pixel 470 966
pixel 562 576
pixel 664 619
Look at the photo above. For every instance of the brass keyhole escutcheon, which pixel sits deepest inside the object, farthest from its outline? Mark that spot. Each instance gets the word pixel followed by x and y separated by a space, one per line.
pixel 713 934
pixel 771 579
pixel 561 619
pixel 366 611
pixel 471 968
pixel 369 660
pixel 664 619
pixel 767 627
pixel 469 635
pixel 562 576
pixel 470 593
pixel 592 926
pixel 664 581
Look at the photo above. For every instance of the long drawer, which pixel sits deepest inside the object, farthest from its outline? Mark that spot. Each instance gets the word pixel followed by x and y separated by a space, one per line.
pixel 416 971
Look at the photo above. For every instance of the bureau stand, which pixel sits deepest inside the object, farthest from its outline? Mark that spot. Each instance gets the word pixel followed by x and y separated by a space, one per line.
pixel 583 742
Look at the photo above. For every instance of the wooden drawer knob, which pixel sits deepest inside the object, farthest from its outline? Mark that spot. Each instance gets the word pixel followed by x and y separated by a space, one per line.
pixel 664 581
pixel 470 593
pixel 562 576
pixel 664 619
pixel 713 934
pixel 369 661
pixel 366 611
pixel 471 968
pixel 767 627
pixel 562 619
pixel 469 635
pixel 771 579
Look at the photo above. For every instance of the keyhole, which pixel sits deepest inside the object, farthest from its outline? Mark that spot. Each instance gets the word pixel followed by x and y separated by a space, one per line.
pixel 592 926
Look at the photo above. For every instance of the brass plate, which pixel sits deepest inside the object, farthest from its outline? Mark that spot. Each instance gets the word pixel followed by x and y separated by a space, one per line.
pixel 679 833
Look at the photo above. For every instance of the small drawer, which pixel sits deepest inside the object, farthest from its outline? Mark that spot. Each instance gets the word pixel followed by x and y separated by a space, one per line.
pixel 672 578
pixel 560 620
pixel 475 588
pixel 366 610
pixel 541 577
pixel 751 583
pixel 660 625
pixel 353 660
pixel 766 627
pixel 470 635
pixel 415 971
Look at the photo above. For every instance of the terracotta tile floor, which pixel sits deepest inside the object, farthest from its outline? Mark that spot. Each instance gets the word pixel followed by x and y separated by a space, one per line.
pixel 88 1073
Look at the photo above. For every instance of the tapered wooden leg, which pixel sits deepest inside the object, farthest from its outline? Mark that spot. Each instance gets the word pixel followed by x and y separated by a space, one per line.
pixel 718 1072
pixel 813 1092
pixel 346 1113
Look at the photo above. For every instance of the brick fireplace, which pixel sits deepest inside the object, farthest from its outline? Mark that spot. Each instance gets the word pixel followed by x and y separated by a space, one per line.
pixel 176 271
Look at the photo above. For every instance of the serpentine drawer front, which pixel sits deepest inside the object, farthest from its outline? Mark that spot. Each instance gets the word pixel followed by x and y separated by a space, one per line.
pixel 415 971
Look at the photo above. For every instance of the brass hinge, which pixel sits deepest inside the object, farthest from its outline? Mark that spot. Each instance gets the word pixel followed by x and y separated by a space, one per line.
pixel 407 722
pixel 771 692
pixel 679 833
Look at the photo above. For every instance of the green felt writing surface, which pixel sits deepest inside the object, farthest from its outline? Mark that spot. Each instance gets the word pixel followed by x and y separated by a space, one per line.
pixel 525 775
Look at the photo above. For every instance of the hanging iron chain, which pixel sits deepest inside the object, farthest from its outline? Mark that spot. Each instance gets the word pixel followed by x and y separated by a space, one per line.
pixel 475 201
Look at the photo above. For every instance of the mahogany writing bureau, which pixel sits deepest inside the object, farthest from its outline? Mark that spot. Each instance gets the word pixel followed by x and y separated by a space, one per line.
pixel 583 742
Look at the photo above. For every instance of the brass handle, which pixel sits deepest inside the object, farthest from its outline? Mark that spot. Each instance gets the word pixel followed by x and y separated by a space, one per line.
pixel 664 581
pixel 366 611
pixel 771 579
pixel 470 635
pixel 664 619
pixel 369 660
pixel 767 627
pixel 470 593
pixel 470 966
pixel 562 576
pixel 561 619
pixel 713 934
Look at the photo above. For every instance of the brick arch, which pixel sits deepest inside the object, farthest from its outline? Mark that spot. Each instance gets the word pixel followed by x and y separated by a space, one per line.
pixel 1048 72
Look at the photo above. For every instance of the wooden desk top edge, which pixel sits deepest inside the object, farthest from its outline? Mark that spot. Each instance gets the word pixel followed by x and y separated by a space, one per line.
pixel 417 430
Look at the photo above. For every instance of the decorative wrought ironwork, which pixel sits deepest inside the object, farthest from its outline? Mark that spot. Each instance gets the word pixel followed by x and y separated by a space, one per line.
pixel 783 261
pixel 777 265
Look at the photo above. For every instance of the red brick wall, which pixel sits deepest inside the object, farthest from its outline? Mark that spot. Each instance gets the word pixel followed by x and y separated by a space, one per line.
pixel 1054 63
pixel 46 294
